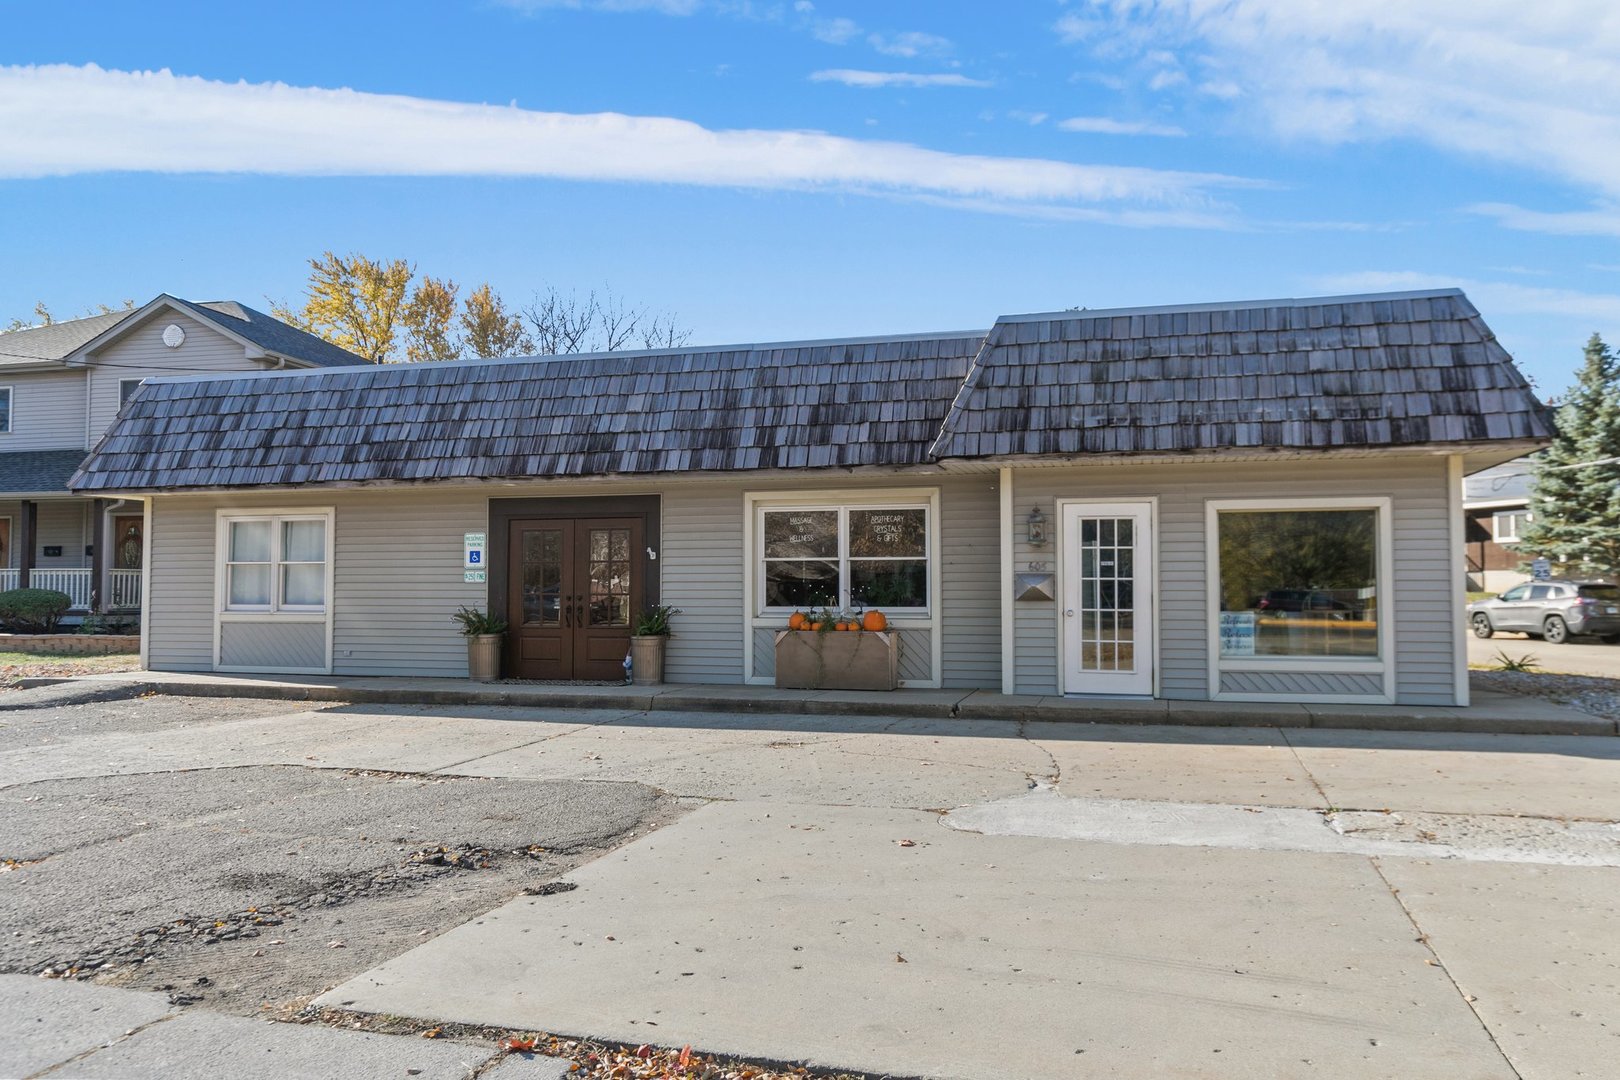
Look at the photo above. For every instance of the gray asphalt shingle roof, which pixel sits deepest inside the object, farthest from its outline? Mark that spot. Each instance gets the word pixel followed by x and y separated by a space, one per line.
pixel 38 471
pixel 57 341
pixel 273 335
pixel 1389 371
pixel 34 344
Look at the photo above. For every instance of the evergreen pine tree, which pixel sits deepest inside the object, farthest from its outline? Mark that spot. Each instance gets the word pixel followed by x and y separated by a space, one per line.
pixel 1576 511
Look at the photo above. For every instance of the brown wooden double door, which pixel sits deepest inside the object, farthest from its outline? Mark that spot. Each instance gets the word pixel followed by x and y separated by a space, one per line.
pixel 573 589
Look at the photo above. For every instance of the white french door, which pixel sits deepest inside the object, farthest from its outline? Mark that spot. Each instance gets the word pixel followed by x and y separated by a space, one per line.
pixel 1107 614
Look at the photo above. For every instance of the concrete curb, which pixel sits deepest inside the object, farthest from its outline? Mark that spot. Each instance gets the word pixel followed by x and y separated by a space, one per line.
pixel 1173 714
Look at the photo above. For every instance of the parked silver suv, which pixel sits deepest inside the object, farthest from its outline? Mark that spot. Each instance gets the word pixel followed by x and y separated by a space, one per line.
pixel 1554 610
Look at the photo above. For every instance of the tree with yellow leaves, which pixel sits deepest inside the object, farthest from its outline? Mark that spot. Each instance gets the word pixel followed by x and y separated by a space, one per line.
pixel 379 309
pixel 353 302
pixel 488 330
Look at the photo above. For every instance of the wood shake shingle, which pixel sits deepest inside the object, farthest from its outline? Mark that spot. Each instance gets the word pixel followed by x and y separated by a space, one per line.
pixel 1388 371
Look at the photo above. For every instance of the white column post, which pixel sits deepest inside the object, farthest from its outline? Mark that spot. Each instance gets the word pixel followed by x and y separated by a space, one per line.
pixel 1457 533
pixel 1009 653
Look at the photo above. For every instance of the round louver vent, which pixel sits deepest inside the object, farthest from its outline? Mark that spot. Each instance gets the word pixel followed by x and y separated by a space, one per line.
pixel 173 335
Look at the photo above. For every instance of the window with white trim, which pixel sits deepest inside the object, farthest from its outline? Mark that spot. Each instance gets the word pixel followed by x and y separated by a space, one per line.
pixel 1298 583
pixel 276 564
pixel 857 555
pixel 126 390
pixel 1509 525
pixel 5 410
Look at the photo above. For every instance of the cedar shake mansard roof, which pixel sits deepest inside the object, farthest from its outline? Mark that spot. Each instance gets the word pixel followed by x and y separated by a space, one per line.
pixel 1368 372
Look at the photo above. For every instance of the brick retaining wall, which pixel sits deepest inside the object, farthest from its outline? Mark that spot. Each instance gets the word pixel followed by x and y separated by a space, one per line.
pixel 72 644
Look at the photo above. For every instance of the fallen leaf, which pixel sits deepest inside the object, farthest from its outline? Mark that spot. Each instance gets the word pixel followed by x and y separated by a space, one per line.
pixel 900 959
pixel 518 1046
pixel 336 945
pixel 432 1033
pixel 907 843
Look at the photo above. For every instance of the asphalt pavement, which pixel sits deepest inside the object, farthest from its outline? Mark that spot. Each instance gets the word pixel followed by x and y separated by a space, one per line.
pixel 1577 656
pixel 925 897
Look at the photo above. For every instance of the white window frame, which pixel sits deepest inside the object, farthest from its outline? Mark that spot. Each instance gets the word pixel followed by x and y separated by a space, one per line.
pixel 275 613
pixel 844 600
pixel 1511 535
pixel 757 616
pixel 123 397
pixel 1383 665
pixel 10 424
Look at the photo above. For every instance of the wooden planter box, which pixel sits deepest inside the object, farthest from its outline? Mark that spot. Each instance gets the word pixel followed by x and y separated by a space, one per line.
pixel 837 660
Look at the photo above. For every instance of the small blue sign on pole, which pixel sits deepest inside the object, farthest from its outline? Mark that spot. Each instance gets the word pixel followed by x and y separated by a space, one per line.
pixel 1541 570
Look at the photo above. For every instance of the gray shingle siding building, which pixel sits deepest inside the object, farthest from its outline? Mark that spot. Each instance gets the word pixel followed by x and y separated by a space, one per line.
pixel 1242 501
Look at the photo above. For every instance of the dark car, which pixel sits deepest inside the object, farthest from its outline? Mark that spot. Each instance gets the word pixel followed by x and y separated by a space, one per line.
pixel 1555 610
pixel 1302 601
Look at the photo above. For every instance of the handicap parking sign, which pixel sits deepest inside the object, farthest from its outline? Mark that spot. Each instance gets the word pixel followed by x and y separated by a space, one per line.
pixel 474 547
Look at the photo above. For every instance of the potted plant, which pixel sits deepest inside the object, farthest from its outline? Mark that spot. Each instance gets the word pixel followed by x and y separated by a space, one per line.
pixel 647 645
pixel 483 634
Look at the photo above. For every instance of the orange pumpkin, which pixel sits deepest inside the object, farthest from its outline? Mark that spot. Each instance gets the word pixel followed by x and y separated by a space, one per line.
pixel 817 626
pixel 841 626
pixel 797 621
pixel 875 621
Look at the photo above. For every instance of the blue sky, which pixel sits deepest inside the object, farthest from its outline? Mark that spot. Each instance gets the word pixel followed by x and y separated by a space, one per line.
pixel 778 170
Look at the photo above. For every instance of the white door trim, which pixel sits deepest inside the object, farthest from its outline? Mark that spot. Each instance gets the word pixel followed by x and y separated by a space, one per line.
pixel 1147 591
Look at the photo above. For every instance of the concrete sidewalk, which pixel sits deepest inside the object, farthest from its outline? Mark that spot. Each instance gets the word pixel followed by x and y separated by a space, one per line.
pixel 59 1028
pixel 1491 712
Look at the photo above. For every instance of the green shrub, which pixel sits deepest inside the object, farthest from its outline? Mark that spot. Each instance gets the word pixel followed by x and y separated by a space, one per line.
pixel 33 611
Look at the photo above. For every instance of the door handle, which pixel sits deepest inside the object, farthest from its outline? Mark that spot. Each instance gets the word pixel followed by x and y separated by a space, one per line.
pixel 1069 614
pixel 567 611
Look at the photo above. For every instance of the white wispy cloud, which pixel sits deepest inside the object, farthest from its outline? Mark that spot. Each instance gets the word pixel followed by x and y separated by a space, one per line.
pixel 1504 297
pixel 1104 125
pixel 874 79
pixel 61 120
pixel 1529 85
pixel 910 43
pixel 1601 221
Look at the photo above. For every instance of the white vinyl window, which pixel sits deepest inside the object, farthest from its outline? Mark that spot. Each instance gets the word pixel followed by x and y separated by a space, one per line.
pixel 276 563
pixel 1508 525
pixel 126 390
pixel 863 555
pixel 5 410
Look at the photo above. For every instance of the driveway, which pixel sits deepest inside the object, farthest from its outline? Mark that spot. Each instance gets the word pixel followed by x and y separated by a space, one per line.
pixel 917 897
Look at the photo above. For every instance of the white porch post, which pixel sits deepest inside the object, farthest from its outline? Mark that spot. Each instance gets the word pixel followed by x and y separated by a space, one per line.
pixel 1009 656
pixel 146 585
pixel 1456 531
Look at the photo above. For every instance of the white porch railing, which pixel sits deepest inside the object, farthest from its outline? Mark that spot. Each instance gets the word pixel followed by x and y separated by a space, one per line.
pixel 123 586
pixel 123 589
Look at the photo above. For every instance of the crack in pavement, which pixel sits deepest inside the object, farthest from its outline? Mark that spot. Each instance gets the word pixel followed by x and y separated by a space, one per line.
pixel 1423 939
pixel 55 1070
pixel 1294 750
pixel 1053 778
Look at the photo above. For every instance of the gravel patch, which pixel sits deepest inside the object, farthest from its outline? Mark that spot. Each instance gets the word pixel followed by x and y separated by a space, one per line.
pixel 1587 693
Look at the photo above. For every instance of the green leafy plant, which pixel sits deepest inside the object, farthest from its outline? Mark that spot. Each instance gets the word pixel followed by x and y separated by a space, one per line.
pixel 654 621
pixel 106 624
pixel 1524 664
pixel 475 623
pixel 33 611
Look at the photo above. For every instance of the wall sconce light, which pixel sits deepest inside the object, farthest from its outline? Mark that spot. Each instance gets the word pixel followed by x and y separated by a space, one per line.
pixel 1037 528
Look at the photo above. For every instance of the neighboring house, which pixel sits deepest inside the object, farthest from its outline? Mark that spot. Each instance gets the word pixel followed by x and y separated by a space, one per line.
pixel 1254 501
pixel 62 384
pixel 1496 503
